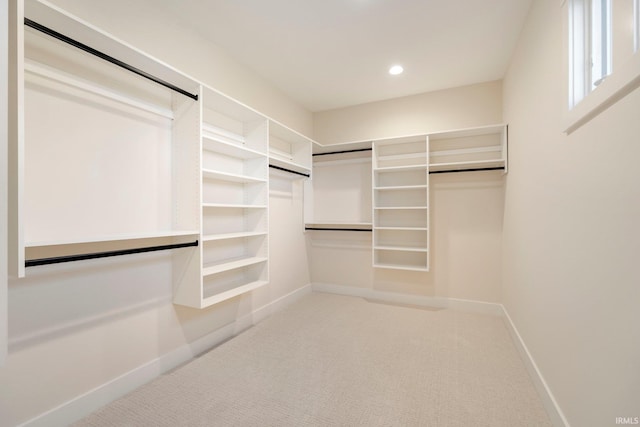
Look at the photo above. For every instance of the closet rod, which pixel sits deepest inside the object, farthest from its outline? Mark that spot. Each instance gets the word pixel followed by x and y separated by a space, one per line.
pixel 342 152
pixel 289 170
pixel 337 229
pixel 82 257
pixel 469 170
pixel 104 56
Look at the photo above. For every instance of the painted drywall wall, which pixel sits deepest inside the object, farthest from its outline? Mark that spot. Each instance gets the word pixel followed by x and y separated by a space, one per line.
pixel 466 244
pixel 80 326
pixel 466 209
pixel 571 233
pixel 4 94
pixel 456 108
pixel 151 29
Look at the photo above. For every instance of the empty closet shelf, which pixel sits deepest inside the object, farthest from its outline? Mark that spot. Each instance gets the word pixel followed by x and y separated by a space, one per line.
pixel 434 167
pixel 231 265
pixel 231 177
pixel 217 296
pixel 401 249
pixel 401 208
pixel 231 149
pixel 401 187
pixel 403 228
pixel 402 267
pixel 401 168
pixel 228 236
pixel 232 206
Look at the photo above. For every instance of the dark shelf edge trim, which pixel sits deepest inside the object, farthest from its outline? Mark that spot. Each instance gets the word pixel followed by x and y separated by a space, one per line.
pixel 104 56
pixel 289 170
pixel 106 254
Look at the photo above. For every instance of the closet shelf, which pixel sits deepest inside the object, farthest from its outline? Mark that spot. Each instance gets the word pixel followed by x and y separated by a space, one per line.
pixel 401 267
pixel 225 295
pixel 400 208
pixel 231 149
pixel 401 249
pixel 226 236
pixel 112 238
pixel 35 69
pixel 231 265
pixel 220 134
pixel 232 206
pixel 401 187
pixel 225 176
pixel 401 168
pixel 467 165
pixel 287 164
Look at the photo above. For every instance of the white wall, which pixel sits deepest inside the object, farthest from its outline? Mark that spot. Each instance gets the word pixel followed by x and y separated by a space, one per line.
pixel 571 233
pixel 466 245
pixel 147 27
pixel 466 209
pixel 456 108
pixel 3 175
pixel 79 326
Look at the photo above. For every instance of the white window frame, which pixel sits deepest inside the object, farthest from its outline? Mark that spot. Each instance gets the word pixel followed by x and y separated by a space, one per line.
pixel 585 104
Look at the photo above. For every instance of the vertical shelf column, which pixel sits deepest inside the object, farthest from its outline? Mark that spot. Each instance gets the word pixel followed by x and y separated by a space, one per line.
pixel 234 198
pixel 401 203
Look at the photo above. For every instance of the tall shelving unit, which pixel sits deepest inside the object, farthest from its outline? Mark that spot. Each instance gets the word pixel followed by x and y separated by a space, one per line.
pixel 234 188
pixel 401 203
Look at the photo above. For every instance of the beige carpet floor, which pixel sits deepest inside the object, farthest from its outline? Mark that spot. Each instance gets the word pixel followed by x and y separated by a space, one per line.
pixel 332 360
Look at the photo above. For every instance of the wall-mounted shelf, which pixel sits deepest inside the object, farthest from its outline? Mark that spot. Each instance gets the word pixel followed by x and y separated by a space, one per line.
pixel 289 150
pixel 477 148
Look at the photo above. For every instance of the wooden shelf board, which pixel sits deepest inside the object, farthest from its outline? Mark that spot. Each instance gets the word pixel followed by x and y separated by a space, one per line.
pixel 401 208
pixel 276 161
pixel 402 228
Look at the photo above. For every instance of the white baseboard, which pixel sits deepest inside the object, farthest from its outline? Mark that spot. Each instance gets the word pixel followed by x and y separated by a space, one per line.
pixel 548 400
pixel 437 302
pixel 551 405
pixel 83 405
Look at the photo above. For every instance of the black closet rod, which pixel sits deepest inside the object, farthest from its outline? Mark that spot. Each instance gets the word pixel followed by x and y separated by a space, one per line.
pixel 104 56
pixel 82 257
pixel 469 170
pixel 289 170
pixel 342 152
pixel 337 229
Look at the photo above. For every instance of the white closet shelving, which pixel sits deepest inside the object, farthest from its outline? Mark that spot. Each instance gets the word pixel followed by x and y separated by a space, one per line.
pixel 476 148
pixel 92 130
pixel 401 203
pixel 339 196
pixel 289 150
pixel 233 256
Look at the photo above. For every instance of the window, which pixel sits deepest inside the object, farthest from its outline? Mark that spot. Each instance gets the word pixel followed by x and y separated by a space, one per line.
pixel 603 56
pixel 590 47
pixel 636 25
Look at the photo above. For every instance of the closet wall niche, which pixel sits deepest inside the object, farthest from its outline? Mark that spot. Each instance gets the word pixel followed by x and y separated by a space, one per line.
pixel 383 186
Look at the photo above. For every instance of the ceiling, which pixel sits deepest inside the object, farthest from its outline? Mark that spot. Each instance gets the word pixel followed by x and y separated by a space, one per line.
pixel 328 54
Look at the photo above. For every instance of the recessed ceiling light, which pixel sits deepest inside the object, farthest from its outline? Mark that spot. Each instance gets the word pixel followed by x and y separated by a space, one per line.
pixel 396 69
